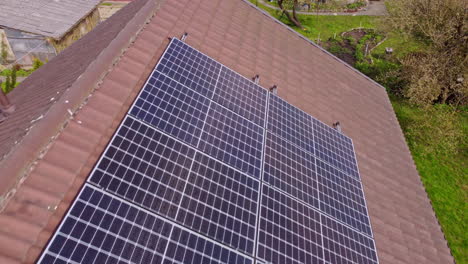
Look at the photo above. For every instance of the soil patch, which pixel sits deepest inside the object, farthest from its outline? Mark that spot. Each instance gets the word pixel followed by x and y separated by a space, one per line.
pixel 353 46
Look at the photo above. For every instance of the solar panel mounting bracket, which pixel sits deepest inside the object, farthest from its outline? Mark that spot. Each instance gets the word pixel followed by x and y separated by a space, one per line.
pixel 256 79
pixel 274 89
pixel 184 36
pixel 337 126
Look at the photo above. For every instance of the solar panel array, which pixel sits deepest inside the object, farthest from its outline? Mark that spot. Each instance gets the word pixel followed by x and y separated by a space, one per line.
pixel 208 167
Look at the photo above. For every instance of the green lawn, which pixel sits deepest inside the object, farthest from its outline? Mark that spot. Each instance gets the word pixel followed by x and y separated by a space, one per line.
pixel 436 137
pixel 400 44
pixel 323 27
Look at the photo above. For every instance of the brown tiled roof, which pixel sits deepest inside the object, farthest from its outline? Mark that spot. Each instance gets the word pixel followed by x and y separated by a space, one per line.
pixel 244 39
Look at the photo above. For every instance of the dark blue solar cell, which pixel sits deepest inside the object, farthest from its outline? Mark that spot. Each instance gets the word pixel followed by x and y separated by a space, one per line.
pixel 190 68
pixel 335 148
pixel 112 241
pixel 288 230
pixel 205 251
pixel 341 242
pixel 233 140
pixel 141 241
pixel 290 123
pixel 172 108
pixel 341 196
pixel 291 169
pixel 217 200
pixel 241 95
pixel 156 177
pixel 57 244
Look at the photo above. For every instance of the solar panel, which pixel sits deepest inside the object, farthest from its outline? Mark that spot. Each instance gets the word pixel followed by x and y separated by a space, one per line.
pixel 221 203
pixel 344 245
pixel 101 228
pixel 172 108
pixel 233 140
pixel 290 123
pixel 341 196
pixel 290 169
pixel 190 67
pixel 335 148
pixel 241 95
pixel 289 231
pixel 144 166
pixel 208 167
pixel 186 247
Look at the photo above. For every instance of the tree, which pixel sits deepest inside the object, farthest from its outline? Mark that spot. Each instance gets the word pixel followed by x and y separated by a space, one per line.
pixel 438 74
pixel 15 69
pixel 37 63
pixel 285 6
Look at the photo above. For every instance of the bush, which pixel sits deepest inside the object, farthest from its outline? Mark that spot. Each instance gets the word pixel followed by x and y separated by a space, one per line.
pixel 7 84
pixel 355 5
pixel 19 73
pixel 37 63
pixel 385 72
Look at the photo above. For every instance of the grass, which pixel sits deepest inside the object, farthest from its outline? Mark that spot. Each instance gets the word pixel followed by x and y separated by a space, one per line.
pixel 326 27
pixel 437 138
pixel 106 4
pixel 323 27
pixel 401 45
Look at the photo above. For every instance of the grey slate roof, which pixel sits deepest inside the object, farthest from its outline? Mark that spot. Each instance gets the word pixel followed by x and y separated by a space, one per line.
pixel 51 18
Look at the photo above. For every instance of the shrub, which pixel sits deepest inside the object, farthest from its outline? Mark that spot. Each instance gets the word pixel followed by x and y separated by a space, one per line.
pixel 385 72
pixel 37 63
pixel 8 84
pixel 355 5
